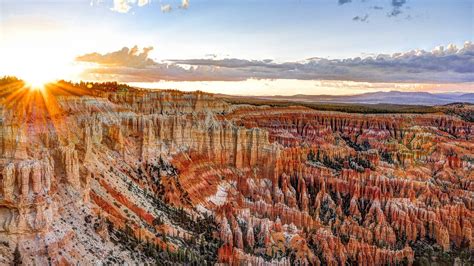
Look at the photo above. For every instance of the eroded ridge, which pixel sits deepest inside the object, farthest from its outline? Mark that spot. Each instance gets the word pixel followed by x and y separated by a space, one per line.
pixel 119 175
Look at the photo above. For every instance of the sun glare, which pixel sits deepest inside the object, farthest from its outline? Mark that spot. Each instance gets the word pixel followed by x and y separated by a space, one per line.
pixel 33 84
pixel 41 68
pixel 36 79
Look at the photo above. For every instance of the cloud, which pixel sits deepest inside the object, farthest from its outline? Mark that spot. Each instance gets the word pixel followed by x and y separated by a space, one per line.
pixel 122 6
pixel 395 12
pixel 441 65
pixel 396 8
pixel 166 8
pixel 397 5
pixel 95 2
pixel 122 58
pixel 361 19
pixel 143 2
pixel 341 2
pixel 184 4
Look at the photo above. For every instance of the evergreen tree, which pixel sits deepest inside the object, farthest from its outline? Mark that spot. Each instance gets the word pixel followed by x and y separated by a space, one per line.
pixel 311 156
pixel 17 256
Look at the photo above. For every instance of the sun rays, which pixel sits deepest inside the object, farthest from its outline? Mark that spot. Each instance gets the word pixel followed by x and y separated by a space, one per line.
pixel 34 106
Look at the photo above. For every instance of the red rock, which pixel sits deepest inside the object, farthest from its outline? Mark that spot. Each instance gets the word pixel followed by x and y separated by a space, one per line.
pixel 374 184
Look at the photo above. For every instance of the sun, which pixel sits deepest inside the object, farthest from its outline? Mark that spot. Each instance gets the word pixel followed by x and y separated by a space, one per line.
pixel 36 81
pixel 38 70
pixel 35 84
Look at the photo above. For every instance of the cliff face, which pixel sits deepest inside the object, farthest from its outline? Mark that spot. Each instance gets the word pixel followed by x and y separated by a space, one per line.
pixel 121 176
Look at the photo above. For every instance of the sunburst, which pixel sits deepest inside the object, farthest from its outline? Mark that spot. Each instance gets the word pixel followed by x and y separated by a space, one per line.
pixel 34 105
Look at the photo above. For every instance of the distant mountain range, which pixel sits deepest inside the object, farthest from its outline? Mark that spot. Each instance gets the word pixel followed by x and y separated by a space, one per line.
pixel 390 97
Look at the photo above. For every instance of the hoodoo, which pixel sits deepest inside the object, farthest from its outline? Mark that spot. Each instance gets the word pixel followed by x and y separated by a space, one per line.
pixel 167 176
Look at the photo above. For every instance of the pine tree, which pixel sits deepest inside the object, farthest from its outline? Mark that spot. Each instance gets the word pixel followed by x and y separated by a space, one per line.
pixel 311 155
pixel 17 256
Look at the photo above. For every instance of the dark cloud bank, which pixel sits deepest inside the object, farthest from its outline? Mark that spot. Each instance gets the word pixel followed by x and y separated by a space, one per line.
pixel 442 65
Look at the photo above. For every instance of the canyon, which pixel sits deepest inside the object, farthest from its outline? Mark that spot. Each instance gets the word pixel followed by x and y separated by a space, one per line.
pixel 105 173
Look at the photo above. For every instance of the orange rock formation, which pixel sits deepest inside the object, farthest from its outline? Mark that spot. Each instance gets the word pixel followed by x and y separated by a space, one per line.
pixel 268 186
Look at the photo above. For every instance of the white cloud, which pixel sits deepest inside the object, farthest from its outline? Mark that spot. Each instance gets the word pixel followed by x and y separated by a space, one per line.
pixel 143 2
pixel 166 8
pixel 184 4
pixel 96 2
pixel 122 6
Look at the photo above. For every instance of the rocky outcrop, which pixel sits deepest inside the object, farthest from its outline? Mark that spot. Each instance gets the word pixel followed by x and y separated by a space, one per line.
pixel 168 102
pixel 69 159
pixel 184 177
pixel 25 204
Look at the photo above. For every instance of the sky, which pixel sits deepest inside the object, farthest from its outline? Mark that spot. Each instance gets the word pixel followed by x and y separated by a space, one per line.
pixel 248 47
